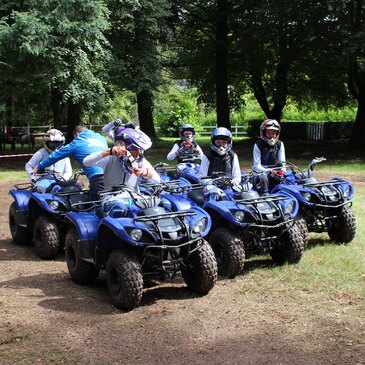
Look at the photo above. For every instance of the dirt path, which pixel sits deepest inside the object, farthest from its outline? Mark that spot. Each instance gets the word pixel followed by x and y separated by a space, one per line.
pixel 47 319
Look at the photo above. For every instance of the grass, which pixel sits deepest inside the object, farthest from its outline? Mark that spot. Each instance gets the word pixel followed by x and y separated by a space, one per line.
pixel 326 266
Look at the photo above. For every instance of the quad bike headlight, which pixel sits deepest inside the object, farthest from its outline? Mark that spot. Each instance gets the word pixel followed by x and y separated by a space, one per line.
pixel 53 204
pixel 307 196
pixel 239 215
pixel 199 227
pixel 347 191
pixel 289 208
pixel 136 234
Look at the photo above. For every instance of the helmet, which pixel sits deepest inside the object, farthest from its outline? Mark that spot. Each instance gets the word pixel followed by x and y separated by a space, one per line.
pixel 54 139
pixel 187 128
pixel 270 124
pixel 221 133
pixel 134 139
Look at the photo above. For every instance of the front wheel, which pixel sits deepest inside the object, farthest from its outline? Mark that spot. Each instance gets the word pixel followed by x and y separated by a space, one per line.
pixel 301 223
pixel 81 272
pixel 289 248
pixel 200 270
pixel 229 252
pixel 124 279
pixel 46 238
pixel 19 234
pixel 343 228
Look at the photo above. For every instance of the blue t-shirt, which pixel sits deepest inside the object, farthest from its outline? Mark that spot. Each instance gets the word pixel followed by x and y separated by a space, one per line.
pixel 83 145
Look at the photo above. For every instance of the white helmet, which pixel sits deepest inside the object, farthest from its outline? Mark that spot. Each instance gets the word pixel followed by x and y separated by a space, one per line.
pixel 270 124
pixel 54 139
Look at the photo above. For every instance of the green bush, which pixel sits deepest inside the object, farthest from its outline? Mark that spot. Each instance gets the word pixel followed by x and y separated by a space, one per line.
pixel 182 109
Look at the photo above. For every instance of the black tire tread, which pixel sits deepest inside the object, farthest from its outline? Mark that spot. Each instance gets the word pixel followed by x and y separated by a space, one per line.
pixel 234 251
pixel 343 230
pixel 130 276
pixel 291 247
pixel 303 229
pixel 201 272
pixel 81 272
pixel 49 246
pixel 19 234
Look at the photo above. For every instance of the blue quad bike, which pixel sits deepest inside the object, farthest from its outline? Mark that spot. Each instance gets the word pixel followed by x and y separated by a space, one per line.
pixel 145 238
pixel 245 224
pixel 38 212
pixel 186 171
pixel 325 206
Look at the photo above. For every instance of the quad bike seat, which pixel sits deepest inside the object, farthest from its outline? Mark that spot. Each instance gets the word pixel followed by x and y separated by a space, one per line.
pixel 197 195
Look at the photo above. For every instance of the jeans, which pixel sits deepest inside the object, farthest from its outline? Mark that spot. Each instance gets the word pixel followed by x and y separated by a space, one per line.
pixel 96 184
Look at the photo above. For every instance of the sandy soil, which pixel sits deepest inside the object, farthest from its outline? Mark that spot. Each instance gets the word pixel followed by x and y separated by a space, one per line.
pixel 47 319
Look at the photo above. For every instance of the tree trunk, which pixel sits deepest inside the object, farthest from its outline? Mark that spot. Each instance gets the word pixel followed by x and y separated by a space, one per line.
pixel 73 119
pixel 145 115
pixel 261 97
pixel 356 85
pixel 221 59
pixel 10 110
pixel 357 138
pixel 58 108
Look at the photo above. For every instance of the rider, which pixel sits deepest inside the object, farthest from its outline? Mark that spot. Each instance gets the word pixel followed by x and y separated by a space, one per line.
pixel 85 142
pixel 268 151
pixel 53 140
pixel 123 164
pixel 111 128
pixel 185 147
pixel 220 158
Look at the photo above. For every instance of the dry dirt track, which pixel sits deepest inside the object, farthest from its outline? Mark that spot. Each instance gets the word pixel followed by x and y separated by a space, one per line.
pixel 46 319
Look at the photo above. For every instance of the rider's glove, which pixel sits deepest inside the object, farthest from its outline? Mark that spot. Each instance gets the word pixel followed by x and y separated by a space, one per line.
pixel 130 125
pixel 277 175
pixel 117 123
pixel 40 171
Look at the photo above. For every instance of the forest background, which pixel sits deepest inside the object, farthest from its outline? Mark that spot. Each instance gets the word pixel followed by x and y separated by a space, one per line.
pixel 163 63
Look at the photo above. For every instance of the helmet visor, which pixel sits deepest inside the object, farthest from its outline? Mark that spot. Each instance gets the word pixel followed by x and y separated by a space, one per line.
pixel 54 145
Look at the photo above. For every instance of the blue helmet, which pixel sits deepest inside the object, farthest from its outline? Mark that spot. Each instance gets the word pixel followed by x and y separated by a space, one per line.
pixel 187 128
pixel 134 139
pixel 221 133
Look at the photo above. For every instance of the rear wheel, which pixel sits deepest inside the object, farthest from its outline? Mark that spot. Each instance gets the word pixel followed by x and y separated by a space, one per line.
pixel 124 279
pixel 290 247
pixel 200 270
pixel 19 234
pixel 343 228
pixel 46 238
pixel 229 252
pixel 81 272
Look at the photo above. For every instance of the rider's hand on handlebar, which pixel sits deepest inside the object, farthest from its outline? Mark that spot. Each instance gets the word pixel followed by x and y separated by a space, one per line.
pixel 142 172
pixel 278 172
pixel 36 170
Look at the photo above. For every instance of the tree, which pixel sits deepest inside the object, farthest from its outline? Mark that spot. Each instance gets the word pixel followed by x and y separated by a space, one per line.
pixel 61 43
pixel 275 46
pixel 138 34
pixel 203 47
pixel 350 16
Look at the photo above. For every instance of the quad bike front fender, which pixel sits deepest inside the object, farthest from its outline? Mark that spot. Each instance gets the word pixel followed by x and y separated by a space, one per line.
pixel 120 227
pixel 86 224
pixel 38 205
pixel 21 198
